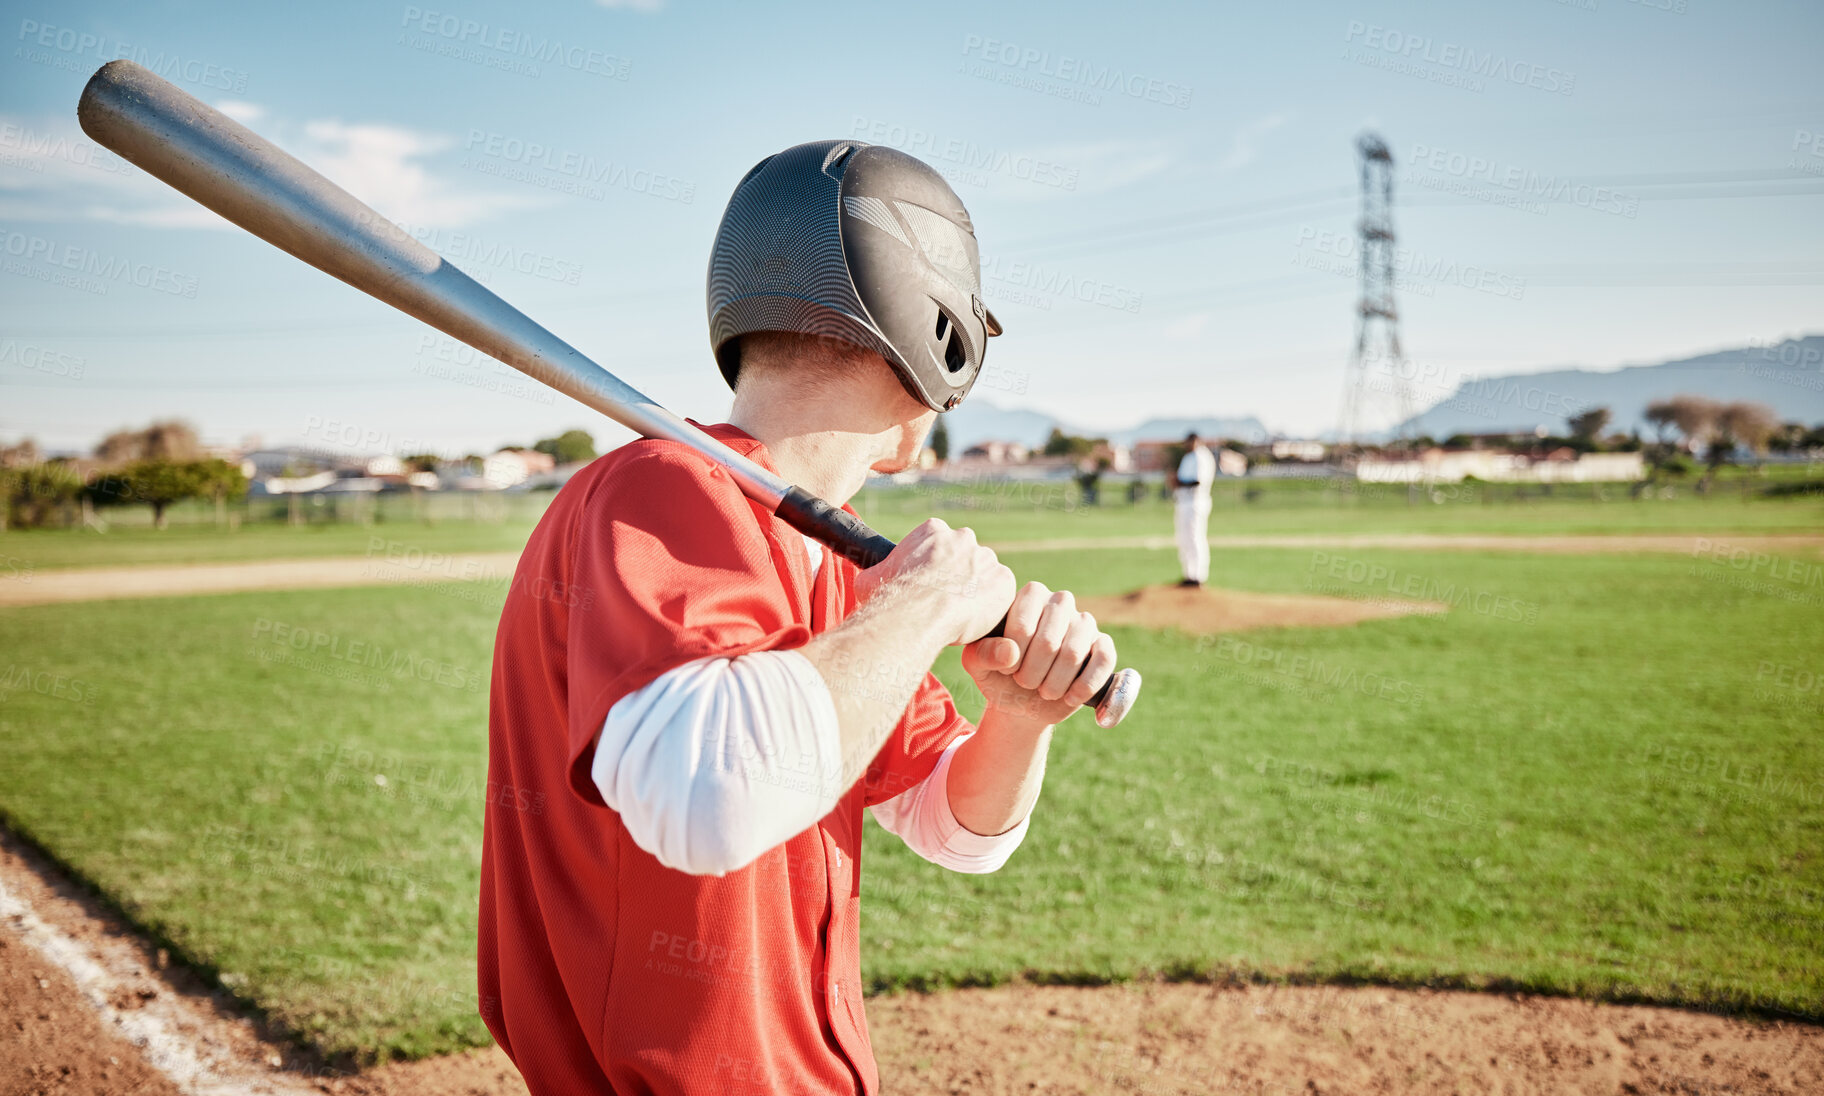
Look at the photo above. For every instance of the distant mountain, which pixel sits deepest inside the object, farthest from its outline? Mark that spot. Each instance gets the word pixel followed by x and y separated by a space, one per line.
pixel 978 420
pixel 1789 377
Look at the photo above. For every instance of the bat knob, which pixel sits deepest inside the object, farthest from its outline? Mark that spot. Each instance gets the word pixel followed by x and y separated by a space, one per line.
pixel 1117 697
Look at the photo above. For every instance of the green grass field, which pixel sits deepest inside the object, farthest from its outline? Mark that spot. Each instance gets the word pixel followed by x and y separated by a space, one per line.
pixel 1596 775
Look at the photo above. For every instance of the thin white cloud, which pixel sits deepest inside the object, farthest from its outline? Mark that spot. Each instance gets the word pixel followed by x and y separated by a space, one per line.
pixel 51 171
pixel 1187 328
pixel 241 111
pixel 1244 146
pixel 631 5
pixel 1051 172
pixel 381 165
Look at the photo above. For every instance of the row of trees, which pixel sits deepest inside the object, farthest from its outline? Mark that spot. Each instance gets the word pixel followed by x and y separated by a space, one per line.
pixel 158 466
pixel 1706 423
pixel 1714 431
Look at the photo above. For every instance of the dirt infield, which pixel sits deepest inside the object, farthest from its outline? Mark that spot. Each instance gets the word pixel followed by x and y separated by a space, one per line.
pixel 86 1009
pixel 1185 1039
pixel 1207 610
pixel 104 583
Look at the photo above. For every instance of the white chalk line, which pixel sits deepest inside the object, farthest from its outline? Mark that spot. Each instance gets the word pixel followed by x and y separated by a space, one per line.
pixel 149 1028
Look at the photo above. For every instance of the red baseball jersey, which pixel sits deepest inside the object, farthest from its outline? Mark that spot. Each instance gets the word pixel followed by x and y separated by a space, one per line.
pixel 600 969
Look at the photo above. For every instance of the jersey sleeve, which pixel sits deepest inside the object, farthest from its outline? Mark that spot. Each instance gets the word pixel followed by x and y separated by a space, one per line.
pixel 930 725
pixel 679 568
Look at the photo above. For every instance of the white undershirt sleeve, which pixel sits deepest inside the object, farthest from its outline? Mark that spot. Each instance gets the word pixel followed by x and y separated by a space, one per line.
pixel 922 818
pixel 718 760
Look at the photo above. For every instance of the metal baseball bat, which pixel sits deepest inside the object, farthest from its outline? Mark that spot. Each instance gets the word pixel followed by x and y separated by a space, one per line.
pixel 240 175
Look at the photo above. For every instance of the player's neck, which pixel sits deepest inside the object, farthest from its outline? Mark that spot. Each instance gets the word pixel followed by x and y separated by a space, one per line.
pixel 826 441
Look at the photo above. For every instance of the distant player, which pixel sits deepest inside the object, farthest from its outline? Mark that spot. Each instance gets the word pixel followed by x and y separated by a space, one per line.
pixel 1191 499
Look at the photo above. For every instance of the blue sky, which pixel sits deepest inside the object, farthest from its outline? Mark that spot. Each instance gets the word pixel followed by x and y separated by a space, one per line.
pixel 1164 195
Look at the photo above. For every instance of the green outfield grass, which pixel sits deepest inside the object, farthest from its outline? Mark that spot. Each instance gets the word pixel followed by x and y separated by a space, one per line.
pixel 1007 512
pixel 1596 775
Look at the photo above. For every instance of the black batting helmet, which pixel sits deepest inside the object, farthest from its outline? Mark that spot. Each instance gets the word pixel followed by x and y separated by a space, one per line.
pixel 862 243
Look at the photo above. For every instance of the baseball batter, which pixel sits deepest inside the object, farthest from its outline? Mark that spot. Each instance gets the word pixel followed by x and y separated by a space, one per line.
pixel 1191 483
pixel 692 704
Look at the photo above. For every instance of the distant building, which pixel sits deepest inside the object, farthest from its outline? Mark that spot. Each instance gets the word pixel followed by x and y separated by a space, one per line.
pixel 1496 439
pixel 1454 466
pixel 998 452
pixel 1149 456
pixel 1288 449
pixel 510 467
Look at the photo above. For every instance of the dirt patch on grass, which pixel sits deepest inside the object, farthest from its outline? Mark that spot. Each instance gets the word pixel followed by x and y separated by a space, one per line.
pixel 1191 1039
pixel 1206 610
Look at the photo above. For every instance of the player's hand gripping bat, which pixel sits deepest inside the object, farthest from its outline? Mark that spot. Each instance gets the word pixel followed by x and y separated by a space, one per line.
pixel 240 175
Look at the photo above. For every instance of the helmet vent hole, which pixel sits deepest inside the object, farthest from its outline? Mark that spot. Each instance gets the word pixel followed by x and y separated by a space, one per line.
pixel 943 324
pixel 954 356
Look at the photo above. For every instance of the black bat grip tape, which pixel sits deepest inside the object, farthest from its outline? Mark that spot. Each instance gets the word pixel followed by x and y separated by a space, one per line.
pixel 852 539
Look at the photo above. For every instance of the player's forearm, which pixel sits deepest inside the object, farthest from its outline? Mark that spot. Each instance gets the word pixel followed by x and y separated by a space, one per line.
pixel 996 776
pixel 873 663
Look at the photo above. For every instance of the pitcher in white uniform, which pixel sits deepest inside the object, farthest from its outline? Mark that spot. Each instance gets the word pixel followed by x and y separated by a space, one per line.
pixel 1191 499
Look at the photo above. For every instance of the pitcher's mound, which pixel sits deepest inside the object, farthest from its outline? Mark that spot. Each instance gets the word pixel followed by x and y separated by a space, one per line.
pixel 1206 610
